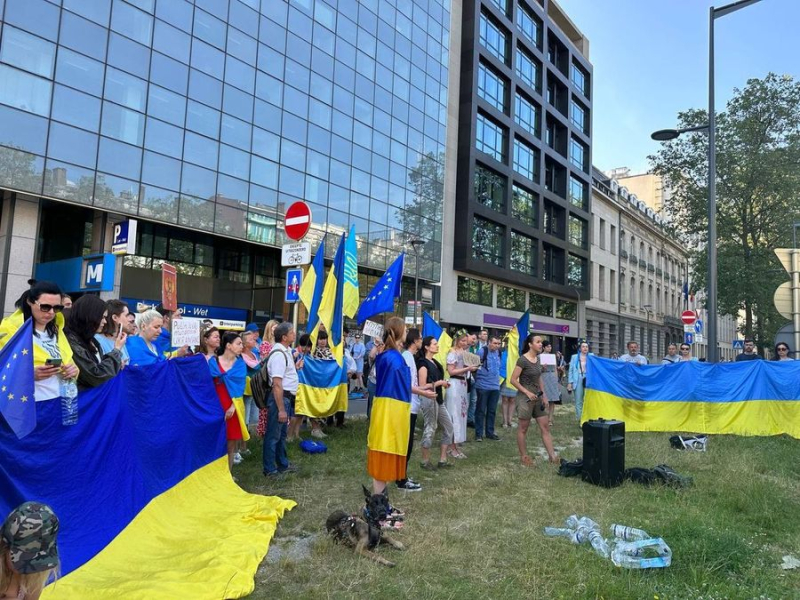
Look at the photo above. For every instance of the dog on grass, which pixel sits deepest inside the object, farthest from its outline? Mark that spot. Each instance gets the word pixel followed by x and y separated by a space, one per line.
pixel 364 534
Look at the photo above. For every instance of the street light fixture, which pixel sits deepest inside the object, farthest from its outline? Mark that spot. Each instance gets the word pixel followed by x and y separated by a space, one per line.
pixel 670 134
pixel 416 244
pixel 647 307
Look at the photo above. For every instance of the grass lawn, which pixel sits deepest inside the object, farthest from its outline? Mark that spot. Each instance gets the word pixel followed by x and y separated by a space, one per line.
pixel 476 529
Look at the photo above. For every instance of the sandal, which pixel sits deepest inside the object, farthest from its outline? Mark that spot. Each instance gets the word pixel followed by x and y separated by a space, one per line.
pixel 527 461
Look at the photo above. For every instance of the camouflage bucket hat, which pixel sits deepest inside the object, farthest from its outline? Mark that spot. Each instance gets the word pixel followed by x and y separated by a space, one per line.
pixel 30 534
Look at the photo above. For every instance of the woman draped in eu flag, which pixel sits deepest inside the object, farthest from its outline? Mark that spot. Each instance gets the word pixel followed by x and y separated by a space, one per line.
pixel 387 443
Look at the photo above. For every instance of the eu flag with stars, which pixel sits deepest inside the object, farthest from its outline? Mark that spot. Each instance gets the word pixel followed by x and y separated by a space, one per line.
pixel 17 403
pixel 381 298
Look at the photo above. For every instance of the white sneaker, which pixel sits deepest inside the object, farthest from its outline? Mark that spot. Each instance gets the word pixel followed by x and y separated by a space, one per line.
pixel 318 433
pixel 237 458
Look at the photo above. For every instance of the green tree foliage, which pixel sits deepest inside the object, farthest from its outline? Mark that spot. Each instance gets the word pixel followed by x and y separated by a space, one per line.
pixel 758 195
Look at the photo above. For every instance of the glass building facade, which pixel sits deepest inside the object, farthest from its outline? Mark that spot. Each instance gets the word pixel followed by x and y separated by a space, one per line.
pixel 213 116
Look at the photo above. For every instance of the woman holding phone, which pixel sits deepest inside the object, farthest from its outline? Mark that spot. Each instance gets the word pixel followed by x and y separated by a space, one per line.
pixel 54 371
pixel 117 320
pixel 531 400
pixel 87 318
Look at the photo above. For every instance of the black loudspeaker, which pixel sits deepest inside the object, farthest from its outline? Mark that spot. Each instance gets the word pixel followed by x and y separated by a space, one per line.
pixel 604 452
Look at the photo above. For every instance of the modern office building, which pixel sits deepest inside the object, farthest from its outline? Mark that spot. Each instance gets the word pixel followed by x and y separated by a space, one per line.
pixel 203 120
pixel 518 207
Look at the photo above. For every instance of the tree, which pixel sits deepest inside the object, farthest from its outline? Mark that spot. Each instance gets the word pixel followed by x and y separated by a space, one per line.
pixel 758 196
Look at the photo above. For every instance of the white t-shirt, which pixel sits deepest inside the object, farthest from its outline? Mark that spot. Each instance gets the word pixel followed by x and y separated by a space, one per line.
pixel 412 366
pixel 47 389
pixel 285 369
pixel 639 359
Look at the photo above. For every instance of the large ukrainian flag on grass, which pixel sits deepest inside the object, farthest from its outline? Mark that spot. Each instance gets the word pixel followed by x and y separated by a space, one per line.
pixel 141 486
pixel 750 398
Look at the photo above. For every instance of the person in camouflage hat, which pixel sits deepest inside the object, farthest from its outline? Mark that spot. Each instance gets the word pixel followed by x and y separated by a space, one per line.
pixel 28 551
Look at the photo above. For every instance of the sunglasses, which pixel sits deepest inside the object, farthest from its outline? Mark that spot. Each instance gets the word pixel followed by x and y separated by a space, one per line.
pixel 49 307
pixel 783 349
pixel 687 349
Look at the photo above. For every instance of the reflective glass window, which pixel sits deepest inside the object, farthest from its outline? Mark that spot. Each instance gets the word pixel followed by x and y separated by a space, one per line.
pixel 577 192
pixel 122 124
pixel 493 37
pixel 72 145
pixel 161 171
pixel 263 172
pixel 202 119
pixel 578 116
pixel 266 144
pixel 157 203
pixel 116 193
pixel 118 158
pixel 267 116
pixel 291 182
pixel 171 41
pixel 526 160
pixel 218 8
pixel 524 205
pixel 25 91
pixel 205 89
pixel 128 55
pixel 236 132
pixel 490 188
pixel 490 138
pixel 196 213
pixel 523 253
pixel 80 72
pixel 528 69
pixel 242 46
pixel 270 61
pixel 577 231
pixel 132 22
pixel 200 150
pixel 580 79
pixel 166 105
pixel 164 138
pixel 36 16
pixel 98 11
pixel 207 59
pixel 237 103
pixel 492 87
pixel 27 52
pixel 24 171
pixel 69 182
pixel 175 12
pixel 234 162
pixel 244 18
pixel 145 5
pixel 198 181
pixel 84 36
pixel 21 130
pixel 487 241
pixel 239 74
pixel 577 154
pixel 529 23
pixel 576 271
pixel 209 29
pixel 268 88
pixel 169 73
pixel 76 108
pixel 526 114
pixel 126 89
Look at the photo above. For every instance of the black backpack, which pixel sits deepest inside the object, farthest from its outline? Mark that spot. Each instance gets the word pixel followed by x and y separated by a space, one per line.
pixel 260 384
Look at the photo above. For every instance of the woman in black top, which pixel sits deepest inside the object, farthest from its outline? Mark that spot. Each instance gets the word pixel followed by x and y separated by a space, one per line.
pixel 88 317
pixel 433 411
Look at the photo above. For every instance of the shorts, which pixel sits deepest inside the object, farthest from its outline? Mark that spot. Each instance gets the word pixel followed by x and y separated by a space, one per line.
pixel 527 410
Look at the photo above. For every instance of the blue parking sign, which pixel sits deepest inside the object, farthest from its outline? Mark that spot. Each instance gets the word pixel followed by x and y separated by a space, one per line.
pixel 688 338
pixel 294 279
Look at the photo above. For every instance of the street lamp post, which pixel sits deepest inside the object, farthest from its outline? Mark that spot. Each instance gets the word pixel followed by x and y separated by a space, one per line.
pixel 647 307
pixel 669 134
pixel 415 244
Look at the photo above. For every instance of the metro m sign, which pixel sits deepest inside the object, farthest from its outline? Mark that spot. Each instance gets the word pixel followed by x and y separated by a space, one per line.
pixel 97 272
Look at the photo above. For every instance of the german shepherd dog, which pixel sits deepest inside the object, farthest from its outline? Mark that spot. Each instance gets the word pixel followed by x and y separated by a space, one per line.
pixel 364 534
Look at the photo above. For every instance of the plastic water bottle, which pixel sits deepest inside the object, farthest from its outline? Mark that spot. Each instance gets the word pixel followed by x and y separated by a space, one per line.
pixel 599 543
pixel 69 401
pixel 558 532
pixel 629 534
pixel 629 554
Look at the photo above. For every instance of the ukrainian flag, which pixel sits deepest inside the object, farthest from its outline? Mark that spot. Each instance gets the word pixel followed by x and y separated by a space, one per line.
pixel 391 409
pixel 516 340
pixel 750 398
pixel 141 486
pixel 323 388
pixel 351 274
pixel 311 290
pixel 432 328
pixel 331 309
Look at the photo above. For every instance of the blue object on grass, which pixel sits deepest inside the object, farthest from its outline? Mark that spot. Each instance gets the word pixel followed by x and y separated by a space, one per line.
pixel 312 447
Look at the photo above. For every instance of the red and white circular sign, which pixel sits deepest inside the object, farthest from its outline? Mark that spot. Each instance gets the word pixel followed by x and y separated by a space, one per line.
pixel 297 221
pixel 688 317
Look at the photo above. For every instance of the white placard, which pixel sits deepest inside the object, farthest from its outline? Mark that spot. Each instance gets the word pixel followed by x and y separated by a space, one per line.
pixel 373 329
pixel 547 360
pixel 185 332
pixel 294 255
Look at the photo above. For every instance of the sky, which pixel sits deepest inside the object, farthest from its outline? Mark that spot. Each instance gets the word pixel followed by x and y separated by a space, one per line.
pixel 650 61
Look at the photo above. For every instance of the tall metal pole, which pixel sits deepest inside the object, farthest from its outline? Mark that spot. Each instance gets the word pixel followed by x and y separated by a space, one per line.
pixel 712 199
pixel 416 284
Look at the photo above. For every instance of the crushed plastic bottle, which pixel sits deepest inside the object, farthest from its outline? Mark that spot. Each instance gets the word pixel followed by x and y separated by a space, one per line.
pixel 68 388
pixel 558 532
pixel 634 555
pixel 629 534
pixel 599 543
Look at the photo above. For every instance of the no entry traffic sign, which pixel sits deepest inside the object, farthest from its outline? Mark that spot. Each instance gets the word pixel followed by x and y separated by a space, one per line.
pixel 688 317
pixel 297 221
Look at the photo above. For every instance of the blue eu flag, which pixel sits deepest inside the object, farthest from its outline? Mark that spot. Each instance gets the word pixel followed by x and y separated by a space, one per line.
pixel 17 403
pixel 381 298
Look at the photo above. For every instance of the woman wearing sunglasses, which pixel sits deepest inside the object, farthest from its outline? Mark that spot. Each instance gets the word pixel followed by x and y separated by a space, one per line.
pixel 686 353
pixel 782 352
pixel 52 354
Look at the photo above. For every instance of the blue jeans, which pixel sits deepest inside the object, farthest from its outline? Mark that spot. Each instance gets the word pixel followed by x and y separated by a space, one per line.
pixel 472 402
pixel 274 456
pixel 485 411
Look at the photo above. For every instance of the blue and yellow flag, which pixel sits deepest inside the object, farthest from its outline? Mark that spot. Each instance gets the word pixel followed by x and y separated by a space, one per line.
pixel 17 402
pixel 311 289
pixel 331 310
pixel 141 486
pixel 747 398
pixel 431 328
pixel 391 408
pixel 323 388
pixel 516 340
pixel 351 274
